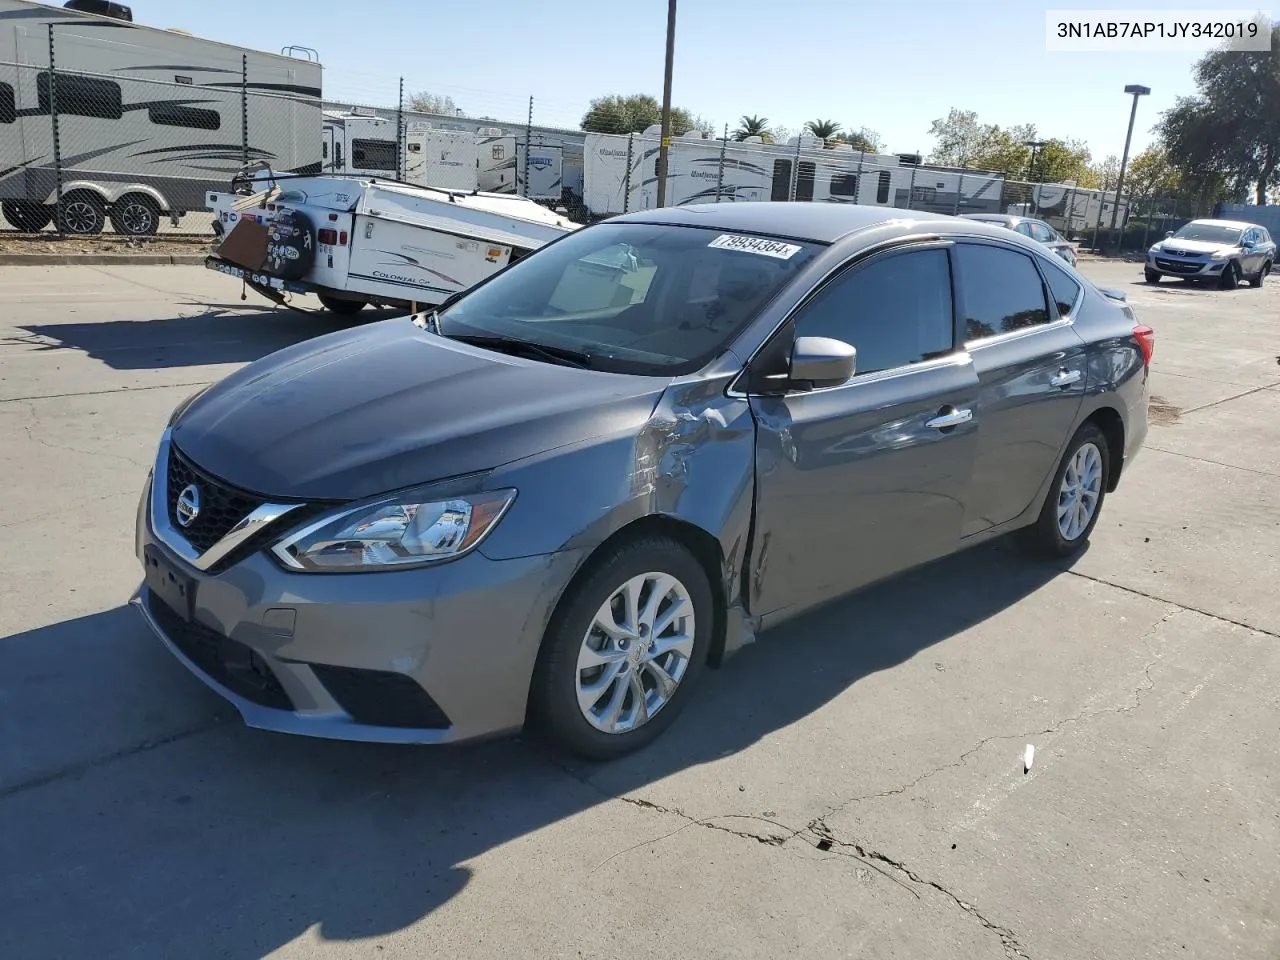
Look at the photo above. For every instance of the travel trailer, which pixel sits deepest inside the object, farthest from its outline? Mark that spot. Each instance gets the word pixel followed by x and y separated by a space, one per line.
pixel 359 144
pixel 552 174
pixel 1071 208
pixel 148 120
pixel 621 174
pixel 353 241
pixel 445 159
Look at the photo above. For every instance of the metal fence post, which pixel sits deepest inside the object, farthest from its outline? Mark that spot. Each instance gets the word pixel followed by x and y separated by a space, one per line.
pixel 724 146
pixel 959 190
pixel 626 189
pixel 57 140
pixel 244 109
pixel 401 162
pixel 528 145
pixel 911 193
pixel 1102 195
pixel 1071 211
pixel 795 171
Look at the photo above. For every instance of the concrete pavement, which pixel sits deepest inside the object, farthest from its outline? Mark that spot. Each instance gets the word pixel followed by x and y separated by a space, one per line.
pixel 852 785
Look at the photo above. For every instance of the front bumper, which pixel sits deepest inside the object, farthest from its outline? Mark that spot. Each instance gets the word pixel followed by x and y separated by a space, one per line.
pixel 434 655
pixel 1185 266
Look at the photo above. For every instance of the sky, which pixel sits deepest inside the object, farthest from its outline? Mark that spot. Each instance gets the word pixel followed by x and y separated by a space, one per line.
pixel 893 67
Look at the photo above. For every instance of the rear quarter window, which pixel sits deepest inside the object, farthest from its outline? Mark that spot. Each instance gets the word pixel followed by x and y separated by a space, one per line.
pixel 1063 287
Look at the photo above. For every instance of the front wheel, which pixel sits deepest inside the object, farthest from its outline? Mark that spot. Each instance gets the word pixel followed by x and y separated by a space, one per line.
pixel 624 649
pixel 1151 276
pixel 339 305
pixel 1075 498
pixel 1230 276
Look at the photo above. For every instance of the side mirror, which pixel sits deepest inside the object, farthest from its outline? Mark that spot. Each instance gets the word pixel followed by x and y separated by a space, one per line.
pixel 821 362
pixel 1168 234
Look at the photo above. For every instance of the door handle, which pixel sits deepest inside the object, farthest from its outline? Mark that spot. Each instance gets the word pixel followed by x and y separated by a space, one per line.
pixel 945 421
pixel 1065 378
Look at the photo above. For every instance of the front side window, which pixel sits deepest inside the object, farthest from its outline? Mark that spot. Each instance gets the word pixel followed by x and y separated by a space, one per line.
pixel 895 311
pixel 632 298
pixel 1002 291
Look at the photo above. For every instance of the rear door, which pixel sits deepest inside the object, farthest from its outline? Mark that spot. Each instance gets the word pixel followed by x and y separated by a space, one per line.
pixel 858 481
pixel 1030 365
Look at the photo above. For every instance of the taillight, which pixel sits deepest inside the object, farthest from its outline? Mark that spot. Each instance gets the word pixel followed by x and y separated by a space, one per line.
pixel 1146 338
pixel 329 237
pixel 342 239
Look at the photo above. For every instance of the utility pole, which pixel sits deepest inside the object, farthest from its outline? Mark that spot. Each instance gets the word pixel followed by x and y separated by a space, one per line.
pixel 1137 91
pixel 664 146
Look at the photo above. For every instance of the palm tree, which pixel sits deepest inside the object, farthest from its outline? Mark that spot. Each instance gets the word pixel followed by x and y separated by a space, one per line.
pixel 752 126
pixel 823 129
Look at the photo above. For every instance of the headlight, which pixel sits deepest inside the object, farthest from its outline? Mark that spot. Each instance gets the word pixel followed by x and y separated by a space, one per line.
pixel 394 532
pixel 1155 248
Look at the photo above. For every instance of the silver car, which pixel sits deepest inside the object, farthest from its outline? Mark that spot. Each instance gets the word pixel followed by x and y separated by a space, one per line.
pixel 570 490
pixel 1224 251
pixel 1037 230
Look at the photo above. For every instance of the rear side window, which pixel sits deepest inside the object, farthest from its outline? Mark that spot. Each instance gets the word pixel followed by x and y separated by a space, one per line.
pixel 177 115
pixel 373 154
pixel 844 185
pixel 781 180
pixel 1064 290
pixel 1002 291
pixel 895 311
pixel 81 96
pixel 8 105
pixel 882 187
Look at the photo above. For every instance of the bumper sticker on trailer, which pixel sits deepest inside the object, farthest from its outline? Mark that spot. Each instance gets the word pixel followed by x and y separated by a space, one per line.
pixel 765 248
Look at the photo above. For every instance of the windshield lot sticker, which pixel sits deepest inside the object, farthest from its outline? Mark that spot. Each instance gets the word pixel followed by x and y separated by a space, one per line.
pixel 766 248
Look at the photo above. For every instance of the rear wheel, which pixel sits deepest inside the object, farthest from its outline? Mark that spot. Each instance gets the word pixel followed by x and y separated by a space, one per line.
pixel 1262 275
pixel 135 215
pixel 338 305
pixel 27 215
pixel 1151 276
pixel 1075 498
pixel 82 213
pixel 1230 276
pixel 624 649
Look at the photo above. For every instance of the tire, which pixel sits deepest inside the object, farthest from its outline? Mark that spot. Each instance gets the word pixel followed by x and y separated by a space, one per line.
pixel 1262 275
pixel 1230 276
pixel 1046 537
pixel 82 213
pixel 1151 276
pixel 338 305
pixel 27 215
pixel 135 215
pixel 558 680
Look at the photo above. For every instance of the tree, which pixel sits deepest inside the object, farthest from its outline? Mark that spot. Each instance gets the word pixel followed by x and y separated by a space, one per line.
pixel 1230 130
pixel 959 137
pixel 753 126
pixel 1061 160
pixel 864 139
pixel 1102 175
pixel 426 102
pixel 1151 176
pixel 633 114
pixel 823 129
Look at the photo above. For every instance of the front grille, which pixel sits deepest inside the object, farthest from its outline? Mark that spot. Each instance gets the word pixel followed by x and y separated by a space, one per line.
pixel 228 662
pixel 1177 266
pixel 222 506
pixel 381 699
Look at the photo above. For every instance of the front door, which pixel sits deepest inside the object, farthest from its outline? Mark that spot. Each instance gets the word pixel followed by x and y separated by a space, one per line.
pixel 859 481
pixel 1031 366
pixel 328 155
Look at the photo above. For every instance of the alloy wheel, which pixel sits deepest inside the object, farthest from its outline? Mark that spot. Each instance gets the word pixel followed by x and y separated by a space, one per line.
pixel 635 653
pixel 1080 491
pixel 79 216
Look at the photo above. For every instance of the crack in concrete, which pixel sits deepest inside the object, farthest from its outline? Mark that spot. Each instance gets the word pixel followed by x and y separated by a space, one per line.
pixel 1216 463
pixel 29 429
pixel 1008 939
pixel 99 393
pixel 1237 396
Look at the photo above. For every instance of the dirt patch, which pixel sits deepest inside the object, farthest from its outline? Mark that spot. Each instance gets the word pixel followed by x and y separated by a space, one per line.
pixel 51 244
pixel 1162 413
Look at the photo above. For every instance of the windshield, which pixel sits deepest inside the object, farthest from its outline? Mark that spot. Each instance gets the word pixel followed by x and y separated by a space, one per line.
pixel 1209 233
pixel 632 297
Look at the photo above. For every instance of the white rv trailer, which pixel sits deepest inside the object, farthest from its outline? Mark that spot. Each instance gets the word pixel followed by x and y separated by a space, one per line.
pixel 358 240
pixel 148 119
pixel 358 144
pixel 444 159
pixel 1071 208
pixel 701 169
pixel 503 166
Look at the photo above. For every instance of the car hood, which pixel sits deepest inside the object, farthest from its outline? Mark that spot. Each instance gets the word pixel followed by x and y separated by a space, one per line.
pixel 389 405
pixel 1193 246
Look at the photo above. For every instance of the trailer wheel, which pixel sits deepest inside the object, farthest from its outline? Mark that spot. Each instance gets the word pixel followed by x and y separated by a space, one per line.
pixel 82 213
pixel 27 215
pixel 135 215
pixel 337 305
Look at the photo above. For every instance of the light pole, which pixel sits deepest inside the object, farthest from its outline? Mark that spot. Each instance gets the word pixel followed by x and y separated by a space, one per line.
pixel 1034 145
pixel 665 145
pixel 1137 91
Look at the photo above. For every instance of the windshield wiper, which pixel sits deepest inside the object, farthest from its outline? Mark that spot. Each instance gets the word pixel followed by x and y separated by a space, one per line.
pixel 513 345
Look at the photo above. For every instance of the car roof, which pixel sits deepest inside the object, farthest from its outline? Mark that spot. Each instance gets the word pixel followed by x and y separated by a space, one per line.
pixel 795 220
pixel 1234 224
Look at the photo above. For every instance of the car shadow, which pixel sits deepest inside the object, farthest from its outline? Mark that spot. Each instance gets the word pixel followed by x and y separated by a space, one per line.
pixel 205 334
pixel 204 838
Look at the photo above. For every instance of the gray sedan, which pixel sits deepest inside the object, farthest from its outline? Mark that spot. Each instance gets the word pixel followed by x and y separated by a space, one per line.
pixel 568 492
pixel 1037 230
